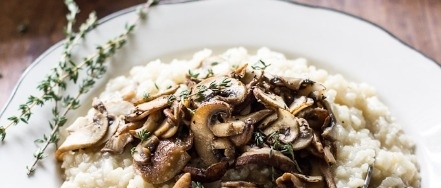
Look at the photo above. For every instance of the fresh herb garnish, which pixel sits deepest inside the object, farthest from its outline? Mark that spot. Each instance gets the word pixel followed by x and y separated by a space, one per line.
pixel 261 65
pixel 143 135
pixel 192 74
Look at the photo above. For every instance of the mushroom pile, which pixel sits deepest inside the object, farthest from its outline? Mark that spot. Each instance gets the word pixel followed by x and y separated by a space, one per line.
pixel 220 124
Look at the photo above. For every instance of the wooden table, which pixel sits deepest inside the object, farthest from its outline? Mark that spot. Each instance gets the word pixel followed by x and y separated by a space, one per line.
pixel 28 28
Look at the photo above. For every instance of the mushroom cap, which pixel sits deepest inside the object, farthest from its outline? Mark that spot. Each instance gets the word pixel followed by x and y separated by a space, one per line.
pixel 269 99
pixel 286 126
pixel 203 136
pixel 266 156
pixel 168 160
pixel 221 88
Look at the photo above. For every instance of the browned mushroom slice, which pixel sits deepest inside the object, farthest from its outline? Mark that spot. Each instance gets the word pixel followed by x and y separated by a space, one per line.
pixel 317 148
pixel 167 129
pixel 184 181
pixel 151 124
pixel 266 156
pixel 212 173
pixel 315 91
pixel 169 158
pixel 328 156
pixel 225 145
pixel 168 91
pixel 268 121
pixel 243 138
pixel 316 117
pixel 86 135
pixel 144 150
pixel 255 117
pixel 305 135
pixel 325 170
pixel 286 126
pixel 294 83
pixel 299 104
pixel 114 124
pixel 235 184
pixel 269 99
pixel 203 137
pixel 117 143
pixel 296 180
pixel 229 128
pixel 221 88
pixel 143 110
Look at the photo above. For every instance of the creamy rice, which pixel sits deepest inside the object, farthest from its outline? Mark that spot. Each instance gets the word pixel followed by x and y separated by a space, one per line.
pixel 366 132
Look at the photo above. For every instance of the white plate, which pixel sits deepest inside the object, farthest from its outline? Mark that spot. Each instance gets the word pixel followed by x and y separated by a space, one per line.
pixel 405 79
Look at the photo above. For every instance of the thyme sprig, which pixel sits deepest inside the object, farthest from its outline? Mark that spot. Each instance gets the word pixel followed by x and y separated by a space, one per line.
pixel 95 69
pixel 66 69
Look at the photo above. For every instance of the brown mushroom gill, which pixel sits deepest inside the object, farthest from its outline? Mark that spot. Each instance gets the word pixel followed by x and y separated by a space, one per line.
pixel 266 156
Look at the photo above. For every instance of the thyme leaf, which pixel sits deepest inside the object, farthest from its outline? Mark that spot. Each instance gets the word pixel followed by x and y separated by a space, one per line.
pixel 261 65
pixel 143 135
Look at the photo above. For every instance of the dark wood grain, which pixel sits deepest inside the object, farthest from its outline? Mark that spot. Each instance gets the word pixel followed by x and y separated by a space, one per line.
pixel 28 28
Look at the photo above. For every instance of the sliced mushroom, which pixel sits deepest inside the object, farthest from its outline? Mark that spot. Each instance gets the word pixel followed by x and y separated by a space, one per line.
pixel 266 156
pixel 244 137
pixel 117 143
pixel 269 99
pixel 169 158
pixel 305 135
pixel 253 118
pixel 327 174
pixel 313 90
pixel 150 125
pixel 114 124
pixel 225 129
pixel 316 117
pixel 213 173
pixel 85 136
pixel 184 181
pixel 168 91
pixel 288 180
pixel 143 110
pixel 286 126
pixel 164 128
pixel 297 180
pixel 203 137
pixel 268 121
pixel 299 104
pixel 235 184
pixel 225 145
pixel 145 149
pixel 221 88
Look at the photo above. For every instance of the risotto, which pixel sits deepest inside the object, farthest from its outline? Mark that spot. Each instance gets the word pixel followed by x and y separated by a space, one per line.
pixel 356 136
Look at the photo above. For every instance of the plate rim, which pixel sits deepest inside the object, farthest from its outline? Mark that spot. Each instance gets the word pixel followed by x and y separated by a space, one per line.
pixel 133 8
